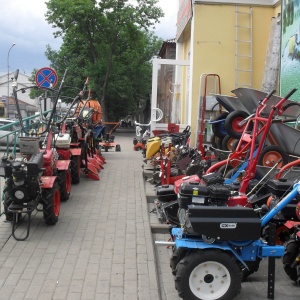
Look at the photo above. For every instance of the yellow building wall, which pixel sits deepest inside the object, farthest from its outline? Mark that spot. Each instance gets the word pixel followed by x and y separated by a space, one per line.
pixel 186 49
pixel 214 48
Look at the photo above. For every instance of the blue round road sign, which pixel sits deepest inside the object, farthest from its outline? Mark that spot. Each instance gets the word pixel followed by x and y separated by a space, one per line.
pixel 46 77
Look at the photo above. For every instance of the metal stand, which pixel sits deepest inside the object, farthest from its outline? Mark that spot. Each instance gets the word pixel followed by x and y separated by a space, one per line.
pixel 18 210
pixel 271 265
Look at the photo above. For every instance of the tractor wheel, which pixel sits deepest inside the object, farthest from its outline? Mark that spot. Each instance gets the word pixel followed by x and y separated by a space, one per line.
pixel 232 123
pixel 253 267
pixel 7 201
pixel 227 143
pixel 118 148
pixel 64 181
pixel 177 255
pixel 106 149
pixel 219 128
pixel 75 169
pixel 270 155
pixel 292 250
pixel 208 274
pixel 51 204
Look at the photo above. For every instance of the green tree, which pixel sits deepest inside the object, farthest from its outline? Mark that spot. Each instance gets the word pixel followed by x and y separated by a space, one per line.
pixel 109 42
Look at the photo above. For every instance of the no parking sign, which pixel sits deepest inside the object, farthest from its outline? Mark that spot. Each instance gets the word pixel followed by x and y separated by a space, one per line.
pixel 46 77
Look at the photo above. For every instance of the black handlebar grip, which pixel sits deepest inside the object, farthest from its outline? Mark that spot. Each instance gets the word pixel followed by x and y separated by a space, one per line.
pixel 270 94
pixel 16 74
pixel 290 93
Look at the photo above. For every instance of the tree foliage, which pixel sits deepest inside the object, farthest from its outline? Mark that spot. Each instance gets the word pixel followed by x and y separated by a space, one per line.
pixel 109 42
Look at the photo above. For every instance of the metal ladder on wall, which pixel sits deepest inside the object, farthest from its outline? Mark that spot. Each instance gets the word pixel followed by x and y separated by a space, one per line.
pixel 243 46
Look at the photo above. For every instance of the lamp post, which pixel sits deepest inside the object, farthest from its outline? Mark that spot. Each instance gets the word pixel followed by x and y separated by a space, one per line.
pixel 8 78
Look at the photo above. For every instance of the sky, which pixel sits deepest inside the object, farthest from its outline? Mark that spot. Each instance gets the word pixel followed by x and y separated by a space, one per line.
pixel 23 23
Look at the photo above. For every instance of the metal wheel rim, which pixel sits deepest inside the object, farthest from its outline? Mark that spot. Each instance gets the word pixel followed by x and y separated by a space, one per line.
pixel 271 158
pixel 235 125
pixel 209 280
pixel 230 144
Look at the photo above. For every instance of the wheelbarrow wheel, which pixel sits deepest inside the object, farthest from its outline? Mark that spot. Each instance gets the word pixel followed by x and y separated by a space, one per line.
pixel 208 274
pixel 292 249
pixel 270 155
pixel 232 123
pixel 228 142
pixel 213 140
pixel 218 128
pixel 51 204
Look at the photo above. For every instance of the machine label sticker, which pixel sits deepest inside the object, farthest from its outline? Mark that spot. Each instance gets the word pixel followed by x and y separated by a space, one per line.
pixel 228 225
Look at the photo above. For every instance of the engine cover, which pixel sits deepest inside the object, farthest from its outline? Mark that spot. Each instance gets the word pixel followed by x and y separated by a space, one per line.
pixel 236 223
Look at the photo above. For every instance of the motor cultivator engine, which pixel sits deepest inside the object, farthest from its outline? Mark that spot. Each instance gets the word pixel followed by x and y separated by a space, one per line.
pixel 23 183
pixel 211 191
pixel 278 189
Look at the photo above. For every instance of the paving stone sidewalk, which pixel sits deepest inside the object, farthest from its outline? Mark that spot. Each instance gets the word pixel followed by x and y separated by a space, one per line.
pixel 101 247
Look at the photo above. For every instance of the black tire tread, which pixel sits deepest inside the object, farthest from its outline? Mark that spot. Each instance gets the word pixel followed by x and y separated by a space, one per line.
pixel 215 126
pixel 228 123
pixel 48 207
pixel 292 249
pixel 192 259
pixel 276 148
pixel 62 182
pixel 75 167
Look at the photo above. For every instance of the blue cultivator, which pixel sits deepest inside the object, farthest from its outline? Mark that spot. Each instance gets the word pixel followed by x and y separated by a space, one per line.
pixel 217 247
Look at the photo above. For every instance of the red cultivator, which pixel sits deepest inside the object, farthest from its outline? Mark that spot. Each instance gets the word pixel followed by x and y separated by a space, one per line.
pixel 85 129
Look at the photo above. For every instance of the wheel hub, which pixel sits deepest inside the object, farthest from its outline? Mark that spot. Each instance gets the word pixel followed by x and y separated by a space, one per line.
pixel 209 280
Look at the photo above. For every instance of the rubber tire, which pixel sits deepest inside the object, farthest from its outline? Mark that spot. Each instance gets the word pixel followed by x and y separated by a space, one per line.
pixel 64 181
pixel 268 150
pixel 227 143
pixel 118 148
pixel 253 267
pixel 216 142
pixel 231 123
pixel 193 259
pixel 75 169
pixel 230 173
pixel 50 209
pixel 219 128
pixel 219 143
pixel 6 203
pixel 177 255
pixel 213 140
pixel 223 168
pixel 291 251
